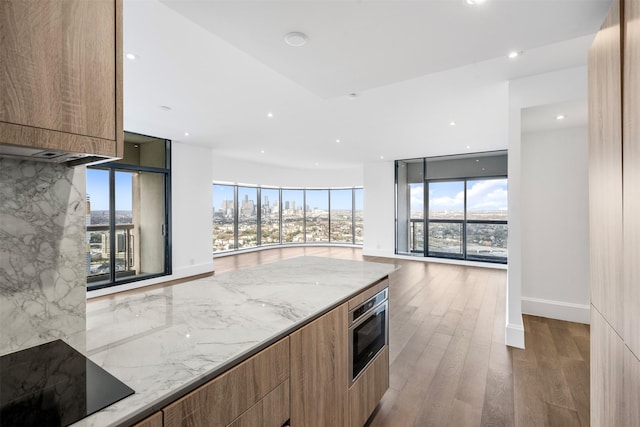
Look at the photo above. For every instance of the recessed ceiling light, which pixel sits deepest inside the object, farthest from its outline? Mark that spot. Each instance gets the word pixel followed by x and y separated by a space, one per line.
pixel 475 2
pixel 132 56
pixel 261 151
pixel 468 147
pixel 186 134
pixel 317 163
pixel 381 157
pixel 270 115
pixel 477 160
pixel 338 141
pixel 514 54
pixel 560 117
pixel 296 39
pixel 165 107
pixel 452 123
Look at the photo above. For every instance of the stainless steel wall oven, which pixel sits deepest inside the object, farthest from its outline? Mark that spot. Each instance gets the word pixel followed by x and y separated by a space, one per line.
pixel 368 332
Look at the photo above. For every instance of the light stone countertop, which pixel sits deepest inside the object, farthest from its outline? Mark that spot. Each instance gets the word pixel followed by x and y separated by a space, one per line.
pixel 165 341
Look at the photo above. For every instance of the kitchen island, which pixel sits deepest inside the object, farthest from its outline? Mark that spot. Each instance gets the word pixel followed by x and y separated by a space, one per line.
pixel 167 342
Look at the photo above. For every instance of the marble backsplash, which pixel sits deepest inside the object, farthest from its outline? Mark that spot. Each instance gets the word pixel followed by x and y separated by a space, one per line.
pixel 42 253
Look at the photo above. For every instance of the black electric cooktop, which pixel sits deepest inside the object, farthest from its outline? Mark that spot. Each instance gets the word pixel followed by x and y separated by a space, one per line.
pixel 53 385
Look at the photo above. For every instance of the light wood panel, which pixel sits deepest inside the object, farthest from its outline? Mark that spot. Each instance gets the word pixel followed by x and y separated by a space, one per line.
pixel 62 72
pixel 223 399
pixel 373 290
pixel 319 377
pixel 607 374
pixel 272 411
pixel 631 388
pixel 368 389
pixel 154 420
pixel 631 138
pixel 605 171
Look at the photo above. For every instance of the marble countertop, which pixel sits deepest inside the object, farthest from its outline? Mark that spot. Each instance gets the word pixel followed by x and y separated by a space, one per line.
pixel 165 341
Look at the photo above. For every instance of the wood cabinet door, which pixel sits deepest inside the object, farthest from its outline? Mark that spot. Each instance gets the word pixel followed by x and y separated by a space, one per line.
pixel 605 170
pixel 319 377
pixel 631 167
pixel 368 389
pixel 154 420
pixel 61 68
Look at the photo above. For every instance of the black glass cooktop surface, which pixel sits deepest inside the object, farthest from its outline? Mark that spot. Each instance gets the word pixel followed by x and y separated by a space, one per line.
pixel 54 385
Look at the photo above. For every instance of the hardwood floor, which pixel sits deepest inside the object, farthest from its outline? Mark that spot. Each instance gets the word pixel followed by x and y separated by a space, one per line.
pixel 449 365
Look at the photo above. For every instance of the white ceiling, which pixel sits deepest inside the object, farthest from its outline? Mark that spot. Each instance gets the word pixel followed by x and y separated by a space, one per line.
pixel 416 65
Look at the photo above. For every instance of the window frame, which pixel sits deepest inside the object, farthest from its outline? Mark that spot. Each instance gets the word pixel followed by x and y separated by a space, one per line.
pixel 112 168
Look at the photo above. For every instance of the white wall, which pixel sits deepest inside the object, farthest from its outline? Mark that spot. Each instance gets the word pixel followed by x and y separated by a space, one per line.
pixel 191 214
pixel 379 209
pixel 550 88
pixel 555 224
pixel 243 172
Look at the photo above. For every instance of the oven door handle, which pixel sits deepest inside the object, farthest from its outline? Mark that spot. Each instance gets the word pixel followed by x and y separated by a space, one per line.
pixel 367 314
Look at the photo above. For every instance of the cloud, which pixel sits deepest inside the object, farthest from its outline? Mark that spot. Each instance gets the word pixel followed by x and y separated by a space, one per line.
pixel 417 200
pixel 488 195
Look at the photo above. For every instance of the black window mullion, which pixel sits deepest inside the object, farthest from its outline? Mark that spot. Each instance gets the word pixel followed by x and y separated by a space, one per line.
pixel 112 225
pixel 259 215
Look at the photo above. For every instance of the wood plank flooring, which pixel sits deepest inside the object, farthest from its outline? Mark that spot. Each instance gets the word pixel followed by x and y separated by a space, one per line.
pixel 449 365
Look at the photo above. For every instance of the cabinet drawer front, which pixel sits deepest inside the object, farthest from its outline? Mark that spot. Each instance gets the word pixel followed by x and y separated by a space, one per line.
pixel 223 399
pixel 272 411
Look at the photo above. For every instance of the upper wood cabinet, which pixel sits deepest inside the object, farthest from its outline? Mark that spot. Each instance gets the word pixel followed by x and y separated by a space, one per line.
pixel 61 75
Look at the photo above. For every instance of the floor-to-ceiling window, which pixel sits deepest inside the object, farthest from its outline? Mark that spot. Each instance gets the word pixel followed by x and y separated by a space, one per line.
pixel 465 213
pixel 128 236
pixel 224 208
pixel 317 215
pixel 341 215
pixel 293 216
pixel 270 216
pixel 245 217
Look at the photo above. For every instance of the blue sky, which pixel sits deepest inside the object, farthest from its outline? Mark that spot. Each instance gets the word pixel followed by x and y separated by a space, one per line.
pixel 98 189
pixel 488 194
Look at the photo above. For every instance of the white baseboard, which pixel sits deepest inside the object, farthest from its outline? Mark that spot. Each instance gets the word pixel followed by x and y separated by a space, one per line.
pixel 377 252
pixel 556 309
pixel 514 335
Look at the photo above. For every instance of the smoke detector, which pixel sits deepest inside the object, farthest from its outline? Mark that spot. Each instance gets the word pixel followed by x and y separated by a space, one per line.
pixel 296 39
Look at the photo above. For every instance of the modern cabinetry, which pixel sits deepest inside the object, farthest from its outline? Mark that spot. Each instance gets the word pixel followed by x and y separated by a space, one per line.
pixel 368 389
pixel 61 84
pixel 614 193
pixel 221 401
pixel 319 372
pixel 154 420
pixel 303 379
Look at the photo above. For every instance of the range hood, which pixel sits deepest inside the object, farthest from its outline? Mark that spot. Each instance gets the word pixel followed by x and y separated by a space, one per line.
pixel 49 156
